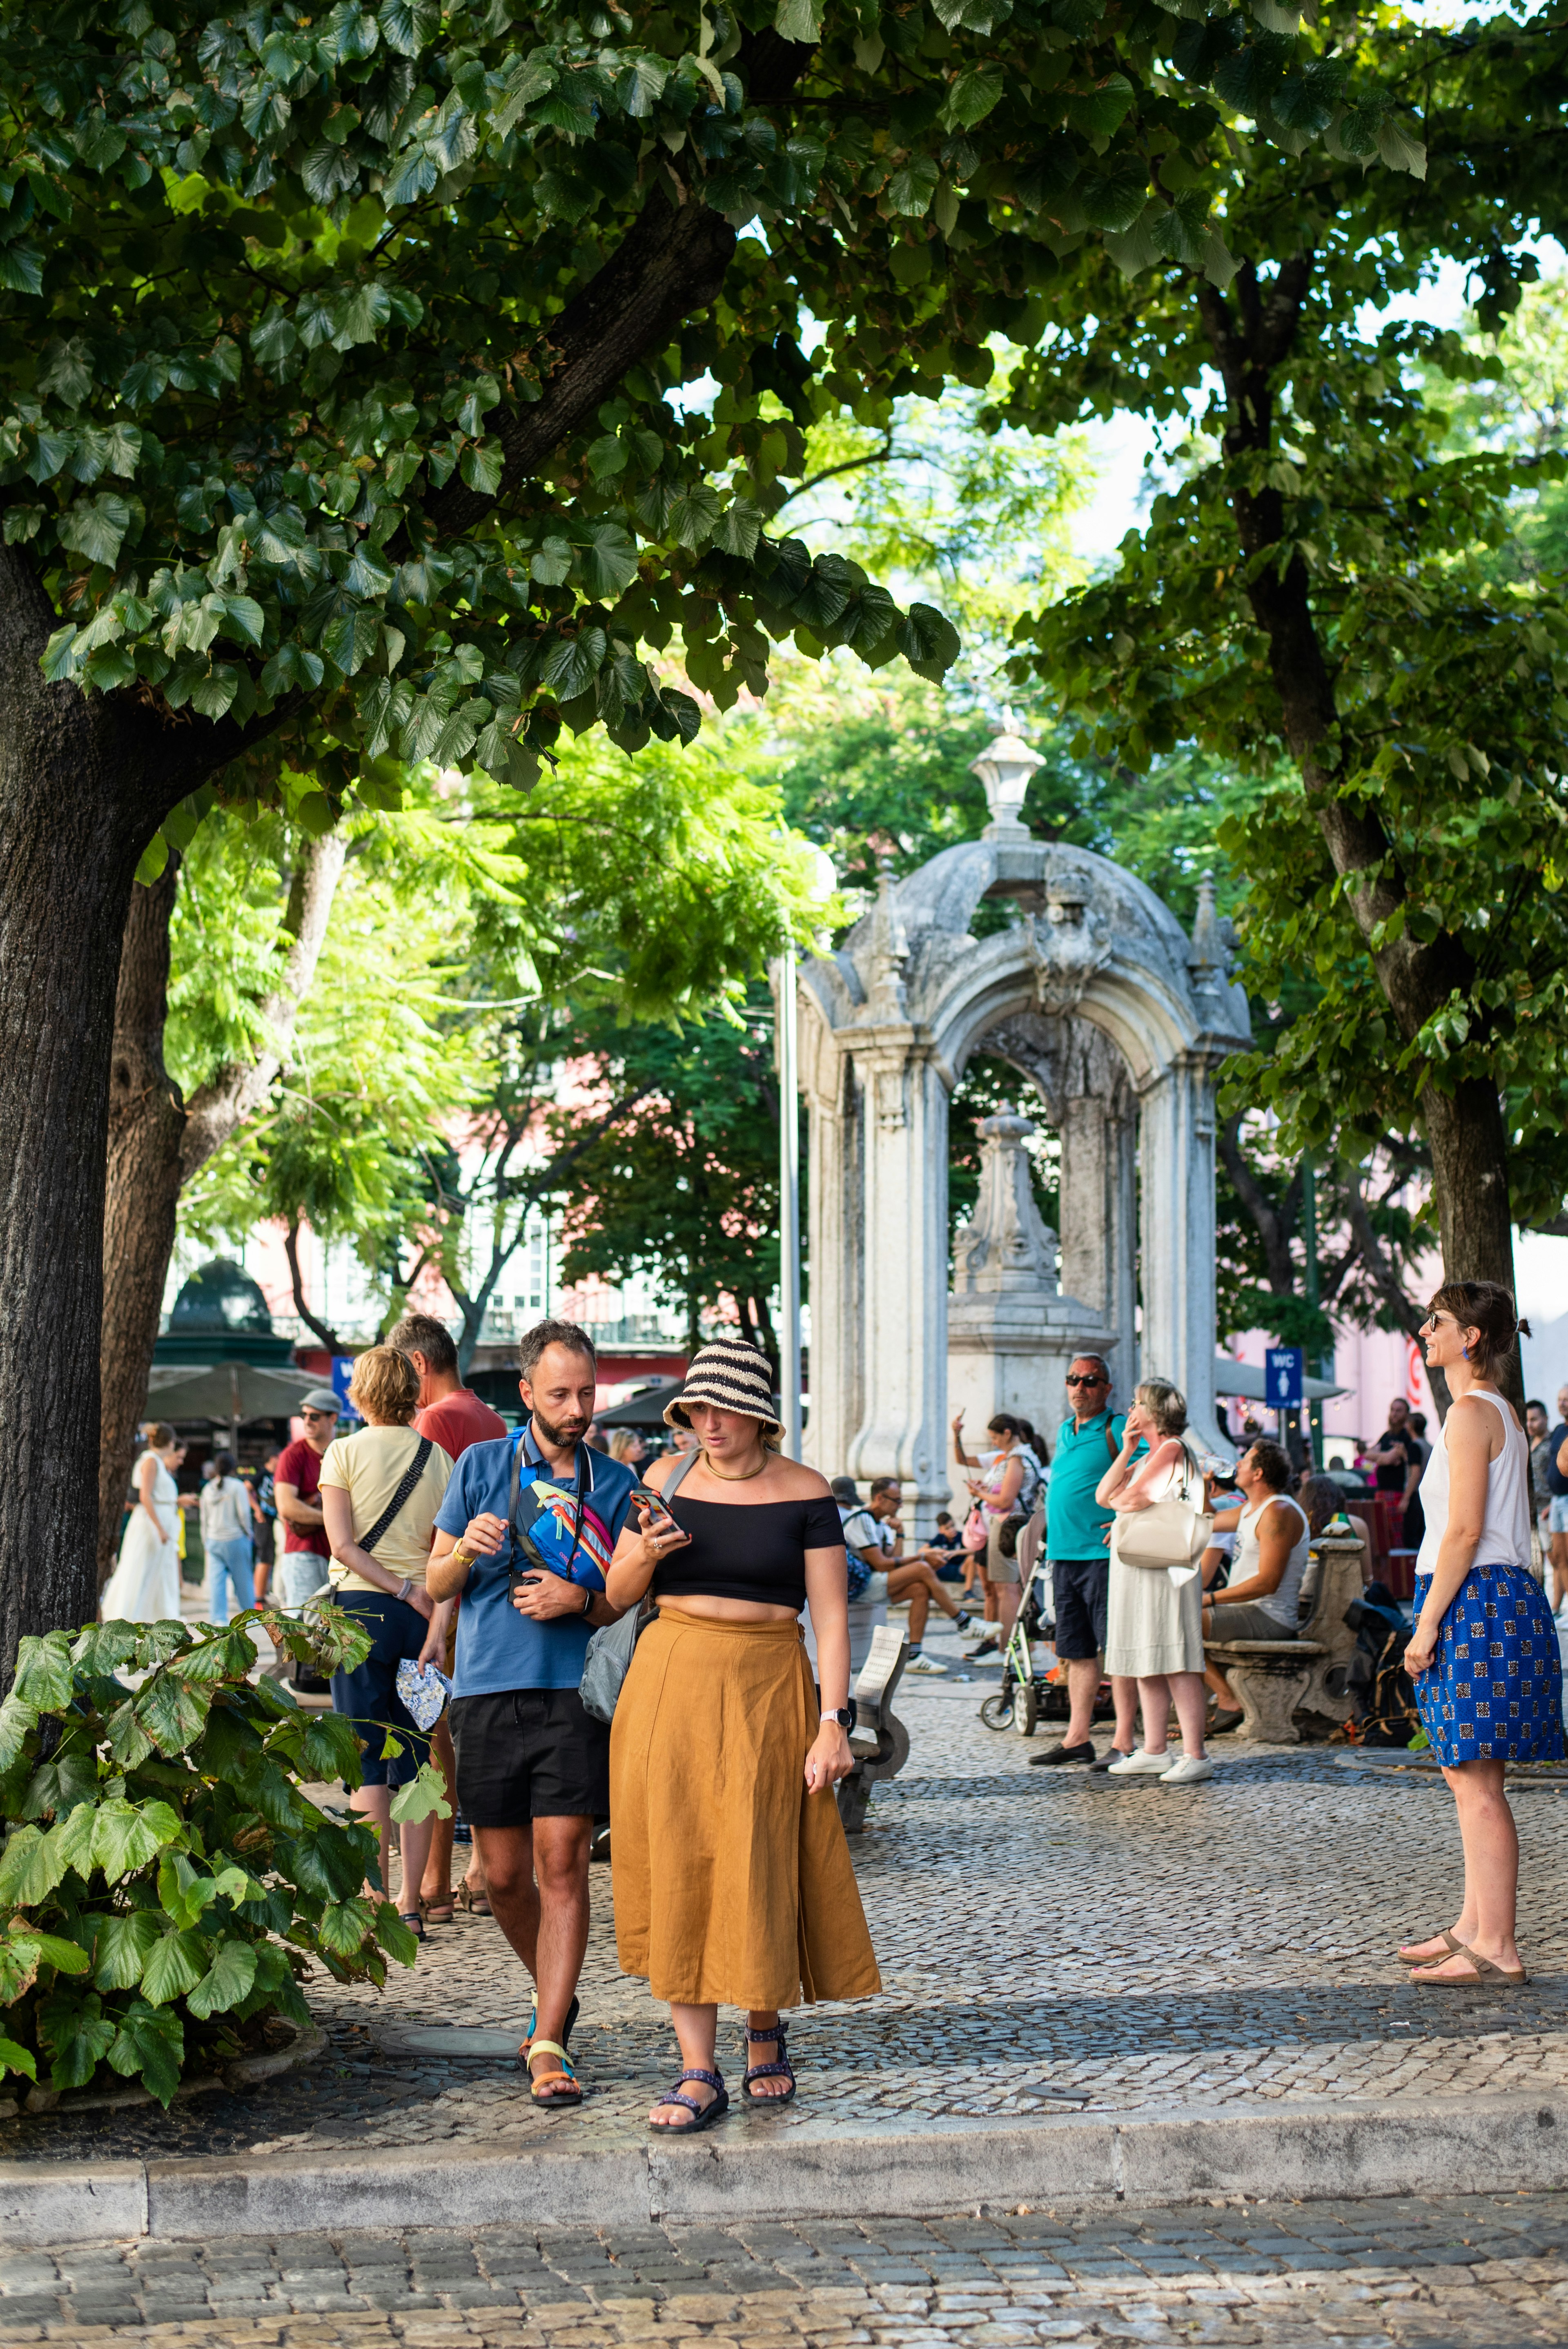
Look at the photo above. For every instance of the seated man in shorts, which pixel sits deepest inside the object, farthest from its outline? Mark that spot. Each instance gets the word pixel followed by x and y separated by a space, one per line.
pixel 1272 1538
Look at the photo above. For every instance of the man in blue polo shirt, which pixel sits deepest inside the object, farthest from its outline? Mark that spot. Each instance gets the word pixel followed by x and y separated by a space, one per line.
pixel 1077 1545
pixel 534 1767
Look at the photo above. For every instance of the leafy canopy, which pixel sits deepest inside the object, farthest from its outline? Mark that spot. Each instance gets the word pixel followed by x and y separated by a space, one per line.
pixel 325 412
pixel 1321 579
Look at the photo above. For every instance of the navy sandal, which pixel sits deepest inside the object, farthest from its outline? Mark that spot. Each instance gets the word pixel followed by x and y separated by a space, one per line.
pixel 705 2114
pixel 780 2069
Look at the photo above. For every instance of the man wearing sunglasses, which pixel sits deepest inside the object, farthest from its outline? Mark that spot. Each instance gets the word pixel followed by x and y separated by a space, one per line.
pixel 296 1489
pixel 1076 1544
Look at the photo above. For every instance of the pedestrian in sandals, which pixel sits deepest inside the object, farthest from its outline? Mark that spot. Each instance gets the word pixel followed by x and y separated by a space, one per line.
pixel 1484 1656
pixel 732 1878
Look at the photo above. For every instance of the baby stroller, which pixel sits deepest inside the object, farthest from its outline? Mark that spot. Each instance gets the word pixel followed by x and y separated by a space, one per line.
pixel 1025 1693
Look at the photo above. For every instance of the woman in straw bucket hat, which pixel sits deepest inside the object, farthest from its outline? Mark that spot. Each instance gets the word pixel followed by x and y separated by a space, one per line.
pixel 733 1882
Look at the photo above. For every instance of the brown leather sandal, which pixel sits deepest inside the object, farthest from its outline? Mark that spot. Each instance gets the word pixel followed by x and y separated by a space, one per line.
pixel 1486 1975
pixel 1443 1935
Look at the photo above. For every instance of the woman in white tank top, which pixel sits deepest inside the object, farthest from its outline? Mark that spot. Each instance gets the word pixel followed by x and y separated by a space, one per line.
pixel 1484 1656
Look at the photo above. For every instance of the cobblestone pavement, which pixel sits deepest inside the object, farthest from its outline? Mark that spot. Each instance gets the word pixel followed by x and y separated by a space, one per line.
pixel 1487 2271
pixel 1071 1936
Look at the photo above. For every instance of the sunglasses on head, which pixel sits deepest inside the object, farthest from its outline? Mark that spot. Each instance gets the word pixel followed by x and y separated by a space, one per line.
pixel 1087 1379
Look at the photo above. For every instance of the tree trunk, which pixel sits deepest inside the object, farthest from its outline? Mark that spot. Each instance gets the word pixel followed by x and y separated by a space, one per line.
pixel 79 799
pixel 1470 1179
pixel 146 1130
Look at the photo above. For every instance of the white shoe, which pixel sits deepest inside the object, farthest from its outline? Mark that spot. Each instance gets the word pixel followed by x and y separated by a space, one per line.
pixel 1139 1764
pixel 925 1664
pixel 1188 1772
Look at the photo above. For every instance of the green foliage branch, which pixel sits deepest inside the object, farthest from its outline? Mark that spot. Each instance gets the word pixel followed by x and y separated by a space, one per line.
pixel 1318 577
pixel 165 1883
pixel 335 394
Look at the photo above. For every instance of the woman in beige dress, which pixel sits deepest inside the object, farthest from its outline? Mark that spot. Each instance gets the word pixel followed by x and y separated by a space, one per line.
pixel 1154 1626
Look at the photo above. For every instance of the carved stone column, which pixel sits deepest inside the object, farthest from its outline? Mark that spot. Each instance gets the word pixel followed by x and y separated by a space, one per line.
pixel 835 1243
pixel 904 1311
pixel 1011 1332
pixel 1176 1149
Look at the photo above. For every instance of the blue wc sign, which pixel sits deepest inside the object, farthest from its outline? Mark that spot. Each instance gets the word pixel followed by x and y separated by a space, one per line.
pixel 1284 1370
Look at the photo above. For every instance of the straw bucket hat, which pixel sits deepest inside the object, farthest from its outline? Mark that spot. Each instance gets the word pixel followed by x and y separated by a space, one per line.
pixel 734 1375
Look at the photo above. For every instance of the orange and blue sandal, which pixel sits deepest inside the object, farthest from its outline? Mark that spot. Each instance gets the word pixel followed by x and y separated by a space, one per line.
pixel 561 2087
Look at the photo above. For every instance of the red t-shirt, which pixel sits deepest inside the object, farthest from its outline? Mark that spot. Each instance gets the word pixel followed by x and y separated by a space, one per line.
pixel 299 1464
pixel 458 1420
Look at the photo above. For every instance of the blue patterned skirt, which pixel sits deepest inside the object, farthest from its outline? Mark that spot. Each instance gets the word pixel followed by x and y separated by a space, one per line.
pixel 1494 1691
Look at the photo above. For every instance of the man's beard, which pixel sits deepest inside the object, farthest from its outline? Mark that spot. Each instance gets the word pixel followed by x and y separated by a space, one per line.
pixel 572 1433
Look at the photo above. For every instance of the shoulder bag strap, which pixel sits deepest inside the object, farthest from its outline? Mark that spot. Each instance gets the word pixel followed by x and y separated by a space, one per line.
pixel 516 1531
pixel 1111 1446
pixel 688 1461
pixel 406 1483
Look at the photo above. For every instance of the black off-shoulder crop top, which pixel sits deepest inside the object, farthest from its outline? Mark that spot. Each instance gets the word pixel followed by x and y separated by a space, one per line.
pixel 754 1552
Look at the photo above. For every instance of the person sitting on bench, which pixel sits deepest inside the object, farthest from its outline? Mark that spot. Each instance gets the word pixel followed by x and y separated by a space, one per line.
pixel 1260 1602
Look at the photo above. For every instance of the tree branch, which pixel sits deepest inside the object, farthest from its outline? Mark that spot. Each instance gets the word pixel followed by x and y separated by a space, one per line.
pixel 329 1337
pixel 1272 1227
pixel 220 1106
pixel 671 262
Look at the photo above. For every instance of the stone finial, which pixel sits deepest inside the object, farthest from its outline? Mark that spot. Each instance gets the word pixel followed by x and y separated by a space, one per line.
pixel 1213 950
pixel 1005 767
pixel 1006 1245
pixel 889 949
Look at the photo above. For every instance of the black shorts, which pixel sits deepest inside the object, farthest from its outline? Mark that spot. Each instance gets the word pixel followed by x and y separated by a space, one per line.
pixel 529 1753
pixel 1080 1586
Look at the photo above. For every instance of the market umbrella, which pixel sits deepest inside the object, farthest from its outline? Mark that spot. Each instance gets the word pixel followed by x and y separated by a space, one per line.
pixel 227 1392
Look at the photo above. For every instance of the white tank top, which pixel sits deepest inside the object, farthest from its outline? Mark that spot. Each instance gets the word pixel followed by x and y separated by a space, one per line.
pixel 1283 1603
pixel 1505 1535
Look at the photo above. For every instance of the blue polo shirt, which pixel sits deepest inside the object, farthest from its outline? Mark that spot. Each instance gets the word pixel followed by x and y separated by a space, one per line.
pixel 1075 1522
pixel 498 1649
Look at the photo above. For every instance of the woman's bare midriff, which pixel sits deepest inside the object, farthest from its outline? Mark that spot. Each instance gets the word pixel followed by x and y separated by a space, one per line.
pixel 725 1611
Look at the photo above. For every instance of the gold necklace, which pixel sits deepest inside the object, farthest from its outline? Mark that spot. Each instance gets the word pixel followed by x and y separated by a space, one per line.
pixel 720 1478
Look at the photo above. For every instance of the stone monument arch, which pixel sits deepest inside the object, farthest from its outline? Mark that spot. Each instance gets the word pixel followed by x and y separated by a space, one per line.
pixel 1117 1021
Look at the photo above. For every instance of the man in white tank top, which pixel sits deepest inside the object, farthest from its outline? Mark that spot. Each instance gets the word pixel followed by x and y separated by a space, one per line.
pixel 1271 1542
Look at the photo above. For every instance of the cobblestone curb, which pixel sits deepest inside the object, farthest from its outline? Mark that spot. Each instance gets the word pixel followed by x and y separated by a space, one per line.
pixel 1307 2151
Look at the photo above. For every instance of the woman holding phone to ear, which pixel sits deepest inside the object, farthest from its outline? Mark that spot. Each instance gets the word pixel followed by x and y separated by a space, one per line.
pixel 1484 1656
pixel 733 1882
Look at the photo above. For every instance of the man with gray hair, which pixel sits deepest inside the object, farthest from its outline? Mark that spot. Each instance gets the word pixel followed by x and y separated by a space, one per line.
pixel 1077 1545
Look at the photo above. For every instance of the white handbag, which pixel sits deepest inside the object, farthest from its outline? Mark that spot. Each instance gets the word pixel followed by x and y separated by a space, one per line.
pixel 1170 1535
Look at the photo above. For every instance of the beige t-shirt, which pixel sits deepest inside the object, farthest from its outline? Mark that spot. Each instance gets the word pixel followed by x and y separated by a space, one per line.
pixel 370 1467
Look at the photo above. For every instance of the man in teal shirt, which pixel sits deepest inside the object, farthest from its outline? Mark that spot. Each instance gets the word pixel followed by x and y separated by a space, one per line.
pixel 1076 1544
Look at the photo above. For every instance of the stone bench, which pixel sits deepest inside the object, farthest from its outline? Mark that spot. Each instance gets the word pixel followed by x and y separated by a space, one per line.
pixel 1276 1680
pixel 879 1740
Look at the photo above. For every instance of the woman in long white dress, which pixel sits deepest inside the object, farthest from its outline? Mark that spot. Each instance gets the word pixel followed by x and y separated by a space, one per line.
pixel 145 1586
pixel 1154 1627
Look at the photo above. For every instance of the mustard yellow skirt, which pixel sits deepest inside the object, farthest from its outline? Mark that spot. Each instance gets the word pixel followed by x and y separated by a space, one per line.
pixel 733 1886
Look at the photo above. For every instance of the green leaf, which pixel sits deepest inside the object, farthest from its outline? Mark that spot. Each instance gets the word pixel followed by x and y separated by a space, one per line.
pixel 126 1838
pixel 343 1925
pixel 74 2030
pixel 148 2047
pixel 16 2059
pixel 230 1978
pixel 44 1672
pixel 175 1963
pixel 214 692
pixel 1100 110
pixel 122 1945
pixel 31 1866
pixel 104 1647
pixel 360 314
pixel 21 269
pixel 17 1721
pixel 172 1713
pixel 481 467
pixel 909 191
pixel 573 662
pixel 273 340
pixel 96 527
pixel 798 20
pixel 424 1798
pixel 973 96
pixel 48 1948
pixel 128 1741
pixel 408 26
pixel 608 562
pixel 928 641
